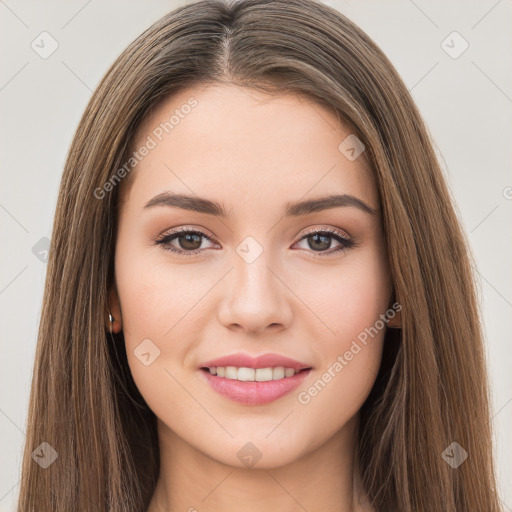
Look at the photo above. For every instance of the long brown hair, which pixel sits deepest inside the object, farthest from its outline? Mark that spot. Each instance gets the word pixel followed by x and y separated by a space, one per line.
pixel 431 390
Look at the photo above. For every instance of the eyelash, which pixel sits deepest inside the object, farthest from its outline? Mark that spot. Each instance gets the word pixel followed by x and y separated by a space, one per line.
pixel 165 239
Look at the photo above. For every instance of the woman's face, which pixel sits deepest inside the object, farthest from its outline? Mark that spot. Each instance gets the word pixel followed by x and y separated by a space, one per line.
pixel 309 283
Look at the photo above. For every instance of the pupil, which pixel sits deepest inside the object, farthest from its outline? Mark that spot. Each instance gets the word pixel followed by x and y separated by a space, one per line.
pixel 323 244
pixel 190 238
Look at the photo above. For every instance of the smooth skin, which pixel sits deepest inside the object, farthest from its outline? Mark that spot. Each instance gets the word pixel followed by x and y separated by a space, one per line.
pixel 252 153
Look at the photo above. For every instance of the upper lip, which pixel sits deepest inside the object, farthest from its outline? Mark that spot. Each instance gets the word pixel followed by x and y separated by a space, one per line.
pixel 262 361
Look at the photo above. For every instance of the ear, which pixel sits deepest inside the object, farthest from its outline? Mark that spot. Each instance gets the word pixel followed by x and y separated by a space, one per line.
pixel 396 321
pixel 115 309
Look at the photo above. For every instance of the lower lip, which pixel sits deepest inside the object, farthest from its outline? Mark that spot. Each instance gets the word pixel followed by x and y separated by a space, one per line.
pixel 254 393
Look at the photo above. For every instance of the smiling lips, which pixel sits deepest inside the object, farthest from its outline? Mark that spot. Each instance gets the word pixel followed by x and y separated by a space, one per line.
pixel 254 381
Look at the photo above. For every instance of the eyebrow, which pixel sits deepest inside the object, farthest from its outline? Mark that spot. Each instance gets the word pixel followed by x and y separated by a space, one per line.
pixel 291 209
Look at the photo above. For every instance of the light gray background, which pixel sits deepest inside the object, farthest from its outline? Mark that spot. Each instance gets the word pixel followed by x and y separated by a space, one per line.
pixel 466 103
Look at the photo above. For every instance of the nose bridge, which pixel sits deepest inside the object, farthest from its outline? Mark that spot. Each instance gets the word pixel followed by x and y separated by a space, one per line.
pixel 255 297
pixel 254 281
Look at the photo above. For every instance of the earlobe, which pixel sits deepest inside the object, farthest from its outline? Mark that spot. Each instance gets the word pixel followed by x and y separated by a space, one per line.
pixel 114 317
pixel 396 321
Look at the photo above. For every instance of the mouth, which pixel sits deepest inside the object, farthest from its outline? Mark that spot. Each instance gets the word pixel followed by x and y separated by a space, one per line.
pixel 244 374
pixel 253 386
pixel 252 380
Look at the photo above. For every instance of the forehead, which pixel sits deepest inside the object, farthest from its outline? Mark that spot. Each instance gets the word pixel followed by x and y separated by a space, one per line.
pixel 231 143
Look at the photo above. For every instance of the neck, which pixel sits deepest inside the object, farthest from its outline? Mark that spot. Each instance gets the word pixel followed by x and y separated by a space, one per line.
pixel 324 477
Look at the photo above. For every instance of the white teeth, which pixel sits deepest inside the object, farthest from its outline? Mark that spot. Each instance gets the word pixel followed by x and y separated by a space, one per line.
pixel 253 374
pixel 289 372
pixel 264 374
pixel 246 374
pixel 231 372
pixel 278 373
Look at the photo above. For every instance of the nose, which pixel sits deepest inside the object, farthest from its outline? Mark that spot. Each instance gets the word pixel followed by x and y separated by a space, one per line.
pixel 256 298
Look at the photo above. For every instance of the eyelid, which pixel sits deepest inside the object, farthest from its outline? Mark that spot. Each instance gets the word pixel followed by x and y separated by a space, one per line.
pixel 208 234
pixel 185 228
pixel 202 232
pixel 337 231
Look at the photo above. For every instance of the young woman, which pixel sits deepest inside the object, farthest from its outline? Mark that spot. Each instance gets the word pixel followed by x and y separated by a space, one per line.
pixel 258 293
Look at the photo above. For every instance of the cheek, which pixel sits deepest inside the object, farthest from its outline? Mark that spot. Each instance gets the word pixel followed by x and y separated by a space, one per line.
pixel 348 299
pixel 163 317
pixel 349 349
pixel 156 299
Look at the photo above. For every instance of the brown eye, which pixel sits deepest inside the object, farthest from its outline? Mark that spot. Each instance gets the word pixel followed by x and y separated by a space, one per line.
pixel 186 241
pixel 320 241
pixel 189 241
